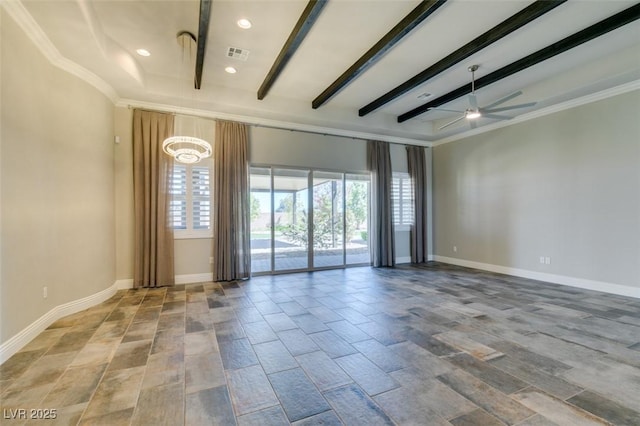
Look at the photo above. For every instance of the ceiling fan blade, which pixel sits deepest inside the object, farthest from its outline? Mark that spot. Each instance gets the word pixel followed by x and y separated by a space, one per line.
pixel 444 109
pixel 451 122
pixel 496 116
pixel 473 101
pixel 505 99
pixel 507 108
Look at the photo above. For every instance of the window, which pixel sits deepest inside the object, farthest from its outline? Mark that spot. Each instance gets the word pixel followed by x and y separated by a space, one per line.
pixel 304 219
pixel 191 201
pixel 402 197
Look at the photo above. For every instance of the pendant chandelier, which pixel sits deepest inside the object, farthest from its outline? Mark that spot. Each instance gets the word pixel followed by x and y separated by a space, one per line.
pixel 187 149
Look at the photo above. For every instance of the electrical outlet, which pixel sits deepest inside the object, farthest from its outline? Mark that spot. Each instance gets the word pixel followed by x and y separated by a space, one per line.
pixel 211 261
pixel 542 259
pixel 455 249
pixel 44 292
pixel 547 260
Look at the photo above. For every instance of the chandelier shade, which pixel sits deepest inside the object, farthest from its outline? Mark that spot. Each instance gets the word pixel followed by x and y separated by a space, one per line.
pixel 186 149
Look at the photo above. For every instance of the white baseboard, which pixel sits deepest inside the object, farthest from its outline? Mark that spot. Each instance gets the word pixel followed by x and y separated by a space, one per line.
pixel 194 278
pixel 124 284
pixel 179 279
pixel 20 340
pixel 618 289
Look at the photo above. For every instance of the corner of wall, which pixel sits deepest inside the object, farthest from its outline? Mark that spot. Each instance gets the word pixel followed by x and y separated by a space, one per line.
pixel 21 339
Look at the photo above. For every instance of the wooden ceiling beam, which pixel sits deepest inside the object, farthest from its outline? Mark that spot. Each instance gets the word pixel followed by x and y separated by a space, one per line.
pixel 203 31
pixel 523 17
pixel 302 27
pixel 373 55
pixel 596 30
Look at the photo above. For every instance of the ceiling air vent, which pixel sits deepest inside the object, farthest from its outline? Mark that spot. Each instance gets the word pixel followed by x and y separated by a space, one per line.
pixel 237 53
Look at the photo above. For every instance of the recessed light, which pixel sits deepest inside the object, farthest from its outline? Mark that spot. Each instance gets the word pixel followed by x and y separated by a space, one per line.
pixel 231 70
pixel 243 23
pixel 143 52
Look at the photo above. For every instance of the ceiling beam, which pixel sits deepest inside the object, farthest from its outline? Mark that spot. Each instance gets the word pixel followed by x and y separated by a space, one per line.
pixel 304 24
pixel 504 28
pixel 596 30
pixel 203 31
pixel 373 55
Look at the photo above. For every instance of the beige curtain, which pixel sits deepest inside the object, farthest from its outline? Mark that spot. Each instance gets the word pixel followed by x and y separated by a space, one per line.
pixel 381 229
pixel 418 173
pixel 153 257
pixel 231 244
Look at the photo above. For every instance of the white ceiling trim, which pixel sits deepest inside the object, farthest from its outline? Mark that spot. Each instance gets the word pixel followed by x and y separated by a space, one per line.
pixel 20 14
pixel 594 97
pixel 274 124
pixel 24 19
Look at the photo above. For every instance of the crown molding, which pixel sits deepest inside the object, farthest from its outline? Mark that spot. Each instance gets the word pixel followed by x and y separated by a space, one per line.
pixel 573 103
pixel 23 18
pixel 270 123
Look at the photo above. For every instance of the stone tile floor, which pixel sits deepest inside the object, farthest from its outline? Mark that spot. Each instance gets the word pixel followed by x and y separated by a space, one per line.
pixel 428 345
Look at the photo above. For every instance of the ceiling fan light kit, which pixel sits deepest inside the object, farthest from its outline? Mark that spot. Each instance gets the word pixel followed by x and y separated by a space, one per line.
pixel 474 112
pixel 186 149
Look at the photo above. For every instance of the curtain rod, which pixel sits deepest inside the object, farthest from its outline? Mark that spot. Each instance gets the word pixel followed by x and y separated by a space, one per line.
pixel 266 126
pixel 152 110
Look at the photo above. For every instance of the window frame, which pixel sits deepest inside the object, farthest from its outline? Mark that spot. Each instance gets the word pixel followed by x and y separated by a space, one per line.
pixel 189 197
pixel 403 223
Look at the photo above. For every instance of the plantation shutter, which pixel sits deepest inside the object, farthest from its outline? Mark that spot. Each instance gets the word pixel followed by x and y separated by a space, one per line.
pixel 201 197
pixel 178 191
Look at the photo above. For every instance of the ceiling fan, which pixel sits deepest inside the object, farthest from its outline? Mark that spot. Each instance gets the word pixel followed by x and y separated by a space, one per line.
pixel 474 112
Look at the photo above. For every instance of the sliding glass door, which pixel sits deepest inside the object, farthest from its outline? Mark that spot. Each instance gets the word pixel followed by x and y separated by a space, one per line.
pixel 261 207
pixel 357 218
pixel 304 219
pixel 328 219
pixel 290 219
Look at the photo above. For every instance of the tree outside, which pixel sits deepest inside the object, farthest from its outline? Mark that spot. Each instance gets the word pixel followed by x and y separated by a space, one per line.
pixel 254 207
pixel 328 215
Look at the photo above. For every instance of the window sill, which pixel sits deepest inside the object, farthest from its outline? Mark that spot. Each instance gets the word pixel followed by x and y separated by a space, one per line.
pixel 191 235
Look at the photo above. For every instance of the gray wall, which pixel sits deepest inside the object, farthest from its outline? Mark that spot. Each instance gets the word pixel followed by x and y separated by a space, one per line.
pixel 564 186
pixel 291 148
pixel 123 166
pixel 57 185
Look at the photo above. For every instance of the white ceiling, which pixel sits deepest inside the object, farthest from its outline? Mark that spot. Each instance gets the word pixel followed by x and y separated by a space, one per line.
pixel 102 37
